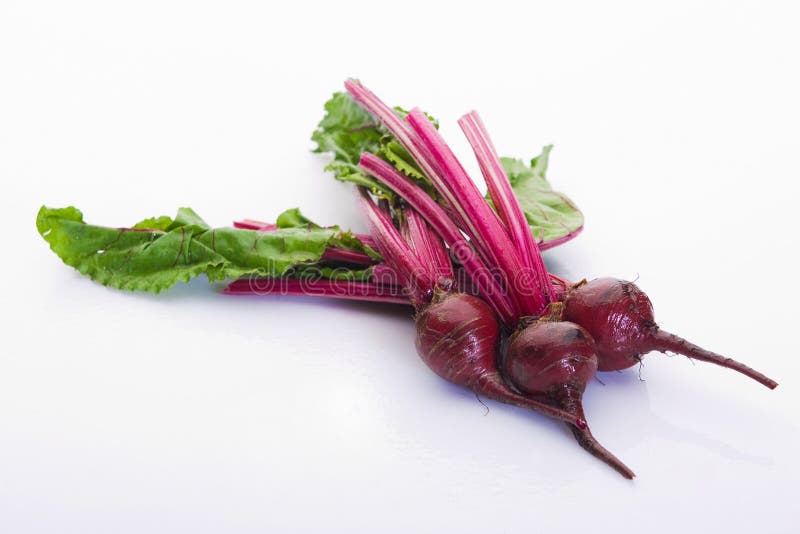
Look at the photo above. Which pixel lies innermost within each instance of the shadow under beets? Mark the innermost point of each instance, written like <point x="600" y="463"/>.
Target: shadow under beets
<point x="623" y="393"/>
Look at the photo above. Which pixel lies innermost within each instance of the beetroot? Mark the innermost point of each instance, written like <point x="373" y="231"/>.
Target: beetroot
<point x="457" y="334"/>
<point x="554" y="361"/>
<point x="549" y="361"/>
<point x="458" y="337"/>
<point x="619" y="316"/>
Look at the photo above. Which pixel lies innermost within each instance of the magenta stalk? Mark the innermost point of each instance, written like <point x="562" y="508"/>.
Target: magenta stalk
<point x="250" y="224"/>
<point x="435" y="216"/>
<point x="340" y="255"/>
<point x="348" y="290"/>
<point x="506" y="203"/>
<point x="495" y="252"/>
<point x="481" y="223"/>
<point x="429" y="245"/>
<point x="413" y="274"/>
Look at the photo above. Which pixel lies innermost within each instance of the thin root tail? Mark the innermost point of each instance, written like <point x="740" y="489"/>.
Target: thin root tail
<point x="592" y="446"/>
<point x="664" y="341"/>
<point x="495" y="389"/>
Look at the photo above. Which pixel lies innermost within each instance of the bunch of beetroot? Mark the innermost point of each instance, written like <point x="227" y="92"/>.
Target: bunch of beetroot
<point x="476" y="278"/>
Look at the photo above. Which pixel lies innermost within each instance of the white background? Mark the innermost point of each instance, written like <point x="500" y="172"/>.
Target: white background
<point x="676" y="131"/>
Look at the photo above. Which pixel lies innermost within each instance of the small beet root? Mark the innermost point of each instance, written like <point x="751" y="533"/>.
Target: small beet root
<point x="555" y="360"/>
<point x="620" y="318"/>
<point x="586" y="440"/>
<point x="664" y="341"/>
<point x="457" y="337"/>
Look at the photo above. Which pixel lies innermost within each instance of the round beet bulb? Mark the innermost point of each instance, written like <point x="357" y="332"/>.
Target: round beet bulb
<point x="555" y="360"/>
<point x="458" y="337"/>
<point x="619" y="316"/>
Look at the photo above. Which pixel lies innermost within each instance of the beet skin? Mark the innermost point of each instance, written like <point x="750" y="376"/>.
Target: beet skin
<point x="554" y="361"/>
<point x="458" y="338"/>
<point x="619" y="316"/>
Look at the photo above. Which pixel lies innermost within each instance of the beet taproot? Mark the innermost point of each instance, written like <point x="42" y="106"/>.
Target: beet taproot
<point x="458" y="337"/>
<point x="619" y="316"/>
<point x="554" y="361"/>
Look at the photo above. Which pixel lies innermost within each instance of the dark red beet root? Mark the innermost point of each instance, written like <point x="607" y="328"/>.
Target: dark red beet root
<point x="555" y="361"/>
<point x="458" y="336"/>
<point x="619" y="316"/>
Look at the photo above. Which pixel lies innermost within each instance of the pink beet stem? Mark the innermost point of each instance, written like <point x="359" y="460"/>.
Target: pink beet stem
<point x="248" y="224"/>
<point x="340" y="255"/>
<point x="383" y="275"/>
<point x="488" y="286"/>
<point x="480" y="222"/>
<point x="386" y="279"/>
<point x="398" y="254"/>
<point x="664" y="341"/>
<point x="419" y="149"/>
<point x="432" y="251"/>
<point x="418" y="240"/>
<point x="396" y="126"/>
<point x="405" y="231"/>
<point x="507" y="205"/>
<point x="362" y="291"/>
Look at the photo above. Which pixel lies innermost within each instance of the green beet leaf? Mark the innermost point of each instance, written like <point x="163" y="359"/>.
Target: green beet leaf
<point x="293" y="218"/>
<point x="163" y="251"/>
<point x="551" y="215"/>
<point x="347" y="131"/>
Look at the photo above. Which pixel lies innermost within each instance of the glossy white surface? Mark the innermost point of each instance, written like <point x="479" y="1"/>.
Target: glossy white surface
<point x="675" y="131"/>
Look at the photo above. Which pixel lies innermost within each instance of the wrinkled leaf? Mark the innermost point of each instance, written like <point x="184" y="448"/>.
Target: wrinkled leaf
<point x="551" y="215"/>
<point x="292" y="218"/>
<point x="154" y="223"/>
<point x="346" y="131"/>
<point x="394" y="153"/>
<point x="187" y="218"/>
<point x="154" y="260"/>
